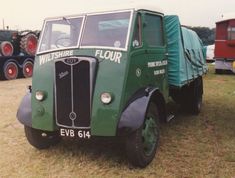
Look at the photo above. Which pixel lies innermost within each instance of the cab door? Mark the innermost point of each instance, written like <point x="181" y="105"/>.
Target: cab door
<point x="155" y="46"/>
<point x="137" y="75"/>
<point x="147" y="61"/>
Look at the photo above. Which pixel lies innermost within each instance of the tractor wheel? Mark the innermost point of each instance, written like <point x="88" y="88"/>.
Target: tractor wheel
<point x="41" y="139"/>
<point x="141" y="145"/>
<point x="28" y="69"/>
<point x="6" y="48"/>
<point x="10" y="71"/>
<point x="28" y="44"/>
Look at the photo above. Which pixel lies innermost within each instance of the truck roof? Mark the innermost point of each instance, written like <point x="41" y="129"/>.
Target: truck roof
<point x="106" y="6"/>
<point x="151" y="6"/>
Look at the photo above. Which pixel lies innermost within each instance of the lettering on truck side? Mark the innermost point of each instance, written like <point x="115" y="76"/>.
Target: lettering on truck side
<point x="113" y="56"/>
<point x="157" y="63"/>
<point x="43" y="59"/>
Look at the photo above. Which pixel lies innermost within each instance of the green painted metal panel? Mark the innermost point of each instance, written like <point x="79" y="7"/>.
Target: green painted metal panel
<point x="147" y="64"/>
<point x="110" y="78"/>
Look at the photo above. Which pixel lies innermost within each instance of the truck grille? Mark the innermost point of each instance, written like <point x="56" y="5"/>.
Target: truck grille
<point x="73" y="91"/>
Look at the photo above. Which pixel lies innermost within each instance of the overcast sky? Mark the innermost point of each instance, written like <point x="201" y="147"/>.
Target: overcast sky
<point x="29" y="14"/>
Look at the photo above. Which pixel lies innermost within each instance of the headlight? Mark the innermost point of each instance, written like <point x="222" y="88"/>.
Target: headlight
<point x="40" y="95"/>
<point x="106" y="98"/>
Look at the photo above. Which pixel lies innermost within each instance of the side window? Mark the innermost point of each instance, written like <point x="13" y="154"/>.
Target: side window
<point x="231" y="33"/>
<point x="153" y="30"/>
<point x="137" y="37"/>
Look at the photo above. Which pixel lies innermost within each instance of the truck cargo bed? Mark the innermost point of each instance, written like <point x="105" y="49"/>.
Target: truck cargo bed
<point x="186" y="57"/>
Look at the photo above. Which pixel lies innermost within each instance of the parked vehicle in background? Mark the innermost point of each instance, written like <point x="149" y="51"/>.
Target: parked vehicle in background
<point x="210" y="53"/>
<point x="17" y="51"/>
<point x="112" y="73"/>
<point x="225" y="44"/>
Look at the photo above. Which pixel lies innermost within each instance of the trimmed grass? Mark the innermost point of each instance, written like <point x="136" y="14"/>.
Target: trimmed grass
<point x="190" y="146"/>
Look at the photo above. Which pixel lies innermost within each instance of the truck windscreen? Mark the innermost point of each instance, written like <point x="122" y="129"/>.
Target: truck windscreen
<point x="60" y="34"/>
<point x="106" y="30"/>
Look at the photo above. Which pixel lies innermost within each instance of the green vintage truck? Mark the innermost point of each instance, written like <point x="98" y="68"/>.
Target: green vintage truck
<point x="110" y="74"/>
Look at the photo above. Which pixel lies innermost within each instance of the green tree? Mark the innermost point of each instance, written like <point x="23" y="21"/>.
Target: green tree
<point x="206" y="34"/>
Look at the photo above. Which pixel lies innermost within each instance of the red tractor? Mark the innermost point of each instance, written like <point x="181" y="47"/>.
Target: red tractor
<point x="17" y="50"/>
<point x="225" y="45"/>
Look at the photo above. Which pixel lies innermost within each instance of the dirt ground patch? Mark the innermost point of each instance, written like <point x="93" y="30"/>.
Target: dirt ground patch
<point x="190" y="146"/>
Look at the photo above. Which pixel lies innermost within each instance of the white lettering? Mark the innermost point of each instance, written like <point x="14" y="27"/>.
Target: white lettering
<point x="113" y="56"/>
<point x="118" y="58"/>
<point x="52" y="56"/>
<point x="107" y="55"/>
<point x="157" y="63"/>
<point x="159" y="72"/>
<point x="67" y="133"/>
<point x="97" y="52"/>
<point x="62" y="132"/>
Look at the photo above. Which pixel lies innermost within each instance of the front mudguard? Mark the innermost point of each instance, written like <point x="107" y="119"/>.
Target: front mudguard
<point x="133" y="115"/>
<point x="24" y="113"/>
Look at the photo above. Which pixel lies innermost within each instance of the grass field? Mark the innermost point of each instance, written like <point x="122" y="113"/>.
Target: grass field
<point x="190" y="146"/>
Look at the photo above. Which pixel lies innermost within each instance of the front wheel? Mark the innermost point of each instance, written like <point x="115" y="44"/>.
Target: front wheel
<point x="141" y="145"/>
<point x="41" y="139"/>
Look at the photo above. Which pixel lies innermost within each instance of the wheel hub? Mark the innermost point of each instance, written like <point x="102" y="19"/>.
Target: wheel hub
<point x="149" y="135"/>
<point x="10" y="71"/>
<point x="27" y="70"/>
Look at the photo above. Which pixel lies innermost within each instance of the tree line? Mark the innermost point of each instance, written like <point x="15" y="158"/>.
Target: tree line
<point x="206" y="34"/>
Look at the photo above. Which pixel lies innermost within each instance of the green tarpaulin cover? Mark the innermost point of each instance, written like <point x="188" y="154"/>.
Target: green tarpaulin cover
<point x="186" y="55"/>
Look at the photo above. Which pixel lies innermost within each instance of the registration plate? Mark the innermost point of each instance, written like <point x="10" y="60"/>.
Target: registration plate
<point x="75" y="133"/>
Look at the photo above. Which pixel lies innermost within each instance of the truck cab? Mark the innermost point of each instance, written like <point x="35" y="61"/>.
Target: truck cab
<point x="100" y="74"/>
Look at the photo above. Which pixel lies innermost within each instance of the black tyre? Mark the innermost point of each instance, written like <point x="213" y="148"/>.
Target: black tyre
<point x="41" y="139"/>
<point x="141" y="145"/>
<point x="192" y="97"/>
<point x="176" y="96"/>
<point x="10" y="71"/>
<point x="196" y="103"/>
<point x="28" y="69"/>
<point x="218" y="71"/>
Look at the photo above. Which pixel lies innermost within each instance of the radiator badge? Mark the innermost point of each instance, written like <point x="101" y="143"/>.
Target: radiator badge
<point x="63" y="74"/>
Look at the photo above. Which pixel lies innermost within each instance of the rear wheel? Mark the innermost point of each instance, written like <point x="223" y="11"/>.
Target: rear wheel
<point x="196" y="102"/>
<point x="141" y="145"/>
<point x="41" y="139"/>
<point x="192" y="101"/>
<point x="28" y="44"/>
<point x="28" y="69"/>
<point x="6" y="48"/>
<point x="10" y="71"/>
